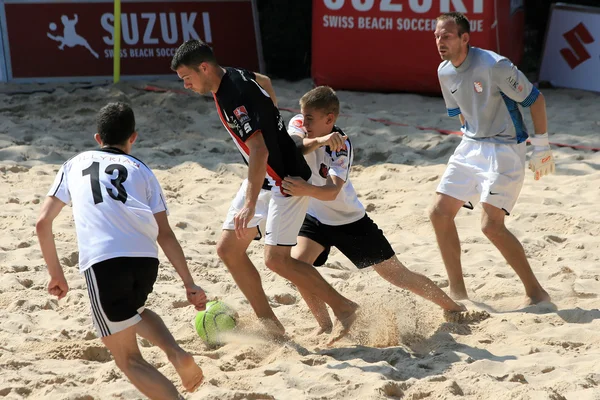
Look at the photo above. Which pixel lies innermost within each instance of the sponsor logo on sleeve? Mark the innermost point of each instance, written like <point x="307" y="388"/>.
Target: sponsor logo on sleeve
<point x="241" y="114"/>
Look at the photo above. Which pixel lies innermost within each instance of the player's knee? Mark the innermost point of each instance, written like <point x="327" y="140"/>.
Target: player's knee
<point x="222" y="250"/>
<point x="392" y="270"/>
<point x="437" y="214"/>
<point x="129" y="362"/>
<point x="275" y="262"/>
<point x="227" y="252"/>
<point x="492" y="230"/>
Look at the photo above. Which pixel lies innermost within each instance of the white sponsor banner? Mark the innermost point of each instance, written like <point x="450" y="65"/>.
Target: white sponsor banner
<point x="572" y="49"/>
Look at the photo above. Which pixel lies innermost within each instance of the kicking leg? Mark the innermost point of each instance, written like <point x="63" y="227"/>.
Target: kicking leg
<point x="393" y="271"/>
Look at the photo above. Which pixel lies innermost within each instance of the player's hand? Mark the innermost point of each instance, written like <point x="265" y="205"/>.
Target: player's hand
<point x="541" y="161"/>
<point x="241" y="220"/>
<point x="58" y="286"/>
<point x="196" y="296"/>
<point x="296" y="186"/>
<point x="335" y="141"/>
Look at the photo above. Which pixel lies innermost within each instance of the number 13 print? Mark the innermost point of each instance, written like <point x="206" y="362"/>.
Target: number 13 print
<point x="94" y="172"/>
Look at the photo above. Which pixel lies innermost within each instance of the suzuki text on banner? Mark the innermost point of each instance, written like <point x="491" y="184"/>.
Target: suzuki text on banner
<point x="388" y="45"/>
<point x="77" y="37"/>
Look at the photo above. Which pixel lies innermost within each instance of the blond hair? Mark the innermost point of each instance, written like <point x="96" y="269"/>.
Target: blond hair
<point x="322" y="98"/>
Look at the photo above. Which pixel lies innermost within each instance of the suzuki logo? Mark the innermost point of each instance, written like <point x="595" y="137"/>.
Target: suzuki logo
<point x="576" y="38"/>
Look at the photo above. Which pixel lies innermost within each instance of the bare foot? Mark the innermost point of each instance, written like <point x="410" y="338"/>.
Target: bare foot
<point x="537" y="298"/>
<point x="321" y="330"/>
<point x="465" y="317"/>
<point x="457" y="308"/>
<point x="190" y="373"/>
<point x="273" y="327"/>
<point x="343" y="324"/>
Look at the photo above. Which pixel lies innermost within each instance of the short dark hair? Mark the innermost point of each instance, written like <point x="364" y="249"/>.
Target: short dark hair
<point x="115" y="123"/>
<point x="459" y="19"/>
<point x="191" y="54"/>
<point x="322" y="98"/>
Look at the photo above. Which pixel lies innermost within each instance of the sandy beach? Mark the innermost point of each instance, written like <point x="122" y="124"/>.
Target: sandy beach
<point x="400" y="346"/>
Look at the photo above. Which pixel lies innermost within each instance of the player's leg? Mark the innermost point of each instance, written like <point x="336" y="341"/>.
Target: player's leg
<point x="286" y="215"/>
<point x="492" y="225"/>
<point x="457" y="186"/>
<point x="393" y="271"/>
<point x="442" y="216"/>
<point x="308" y="251"/>
<point x="154" y="330"/>
<point x="147" y="379"/>
<point x="232" y="251"/>
<point x="113" y="296"/>
<point x="366" y="246"/>
<point x="500" y="194"/>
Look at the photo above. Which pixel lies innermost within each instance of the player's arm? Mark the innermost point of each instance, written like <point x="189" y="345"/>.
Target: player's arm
<point x="334" y="140"/>
<point x="517" y="87"/>
<point x="50" y="210"/>
<point x="257" y="167"/>
<point x="538" y="115"/>
<point x="266" y="84"/>
<point x="297" y="132"/>
<point x="299" y="187"/>
<point x="452" y="108"/>
<point x="172" y="249"/>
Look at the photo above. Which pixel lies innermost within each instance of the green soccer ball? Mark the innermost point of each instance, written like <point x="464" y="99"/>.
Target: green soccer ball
<point x="214" y="321"/>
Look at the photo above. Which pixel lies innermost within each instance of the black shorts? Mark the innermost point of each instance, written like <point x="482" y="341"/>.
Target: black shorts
<point x="362" y="241"/>
<point x="118" y="289"/>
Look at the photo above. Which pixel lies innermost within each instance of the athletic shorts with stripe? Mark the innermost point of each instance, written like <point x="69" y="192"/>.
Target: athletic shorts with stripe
<point x="277" y="217"/>
<point x="118" y="289"/>
<point x="362" y="241"/>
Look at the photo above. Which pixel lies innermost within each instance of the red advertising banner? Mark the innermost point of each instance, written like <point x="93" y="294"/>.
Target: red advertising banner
<point x="389" y="45"/>
<point x="45" y="40"/>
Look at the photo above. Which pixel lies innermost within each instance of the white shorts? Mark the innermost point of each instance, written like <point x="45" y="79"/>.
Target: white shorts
<point x="277" y="217"/>
<point x="485" y="172"/>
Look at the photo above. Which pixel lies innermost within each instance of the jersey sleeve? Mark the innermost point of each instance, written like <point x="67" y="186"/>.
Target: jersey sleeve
<point x="296" y="126"/>
<point x="155" y="195"/>
<point x="513" y="83"/>
<point x="452" y="107"/>
<point x="341" y="162"/>
<point x="60" y="188"/>
<point x="246" y="73"/>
